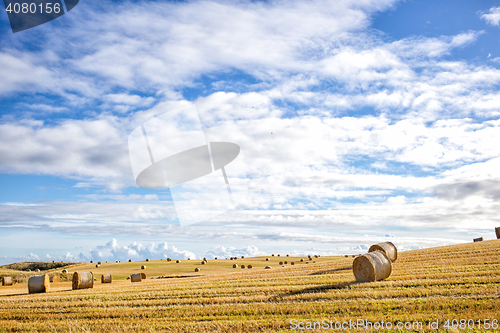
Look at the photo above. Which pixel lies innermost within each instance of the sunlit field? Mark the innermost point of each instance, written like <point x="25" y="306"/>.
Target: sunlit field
<point x="439" y="284"/>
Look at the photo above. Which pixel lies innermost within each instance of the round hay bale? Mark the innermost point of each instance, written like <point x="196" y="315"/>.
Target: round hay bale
<point x="386" y="247"/>
<point x="97" y="266"/>
<point x="7" y="281"/>
<point x="267" y="267"/>
<point x="373" y="266"/>
<point x="135" y="277"/>
<point x="204" y="259"/>
<point x="249" y="266"/>
<point x="177" y="261"/>
<point x="307" y="262"/>
<point x="215" y="258"/>
<point x="242" y="266"/>
<point x="286" y="262"/>
<point x="106" y="261"/>
<point x="301" y="260"/>
<point x="267" y="259"/>
<point x="231" y="258"/>
<point x="106" y="278"/>
<point x="83" y="280"/>
<point x="292" y="263"/>
<point x="203" y="262"/>
<point x="143" y="276"/>
<point x="130" y="260"/>
<point x="189" y="258"/>
<point x="278" y="254"/>
<point x="91" y="261"/>
<point x="147" y="259"/>
<point x="54" y="278"/>
<point x="53" y="261"/>
<point x="39" y="284"/>
<point x="98" y="262"/>
<point x="28" y="270"/>
<point x="168" y="259"/>
<point x="346" y="256"/>
<point x="143" y="267"/>
<point x="497" y="232"/>
<point x="242" y="257"/>
<point x="64" y="271"/>
<point x="196" y="269"/>
<point x="315" y="256"/>
<point x="37" y="270"/>
<point x="272" y="255"/>
<point x="235" y="266"/>
<point x="117" y="261"/>
<point x="479" y="239"/>
<point x="281" y="263"/>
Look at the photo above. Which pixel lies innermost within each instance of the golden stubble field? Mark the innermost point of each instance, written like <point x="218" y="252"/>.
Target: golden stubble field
<point x="439" y="284"/>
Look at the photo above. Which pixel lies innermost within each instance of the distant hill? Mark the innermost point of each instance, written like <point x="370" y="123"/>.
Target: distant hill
<point x="42" y="266"/>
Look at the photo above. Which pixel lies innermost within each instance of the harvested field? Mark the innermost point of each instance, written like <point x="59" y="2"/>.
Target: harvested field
<point x="460" y="281"/>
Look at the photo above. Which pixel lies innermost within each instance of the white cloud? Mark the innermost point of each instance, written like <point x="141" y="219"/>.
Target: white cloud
<point x="492" y="17"/>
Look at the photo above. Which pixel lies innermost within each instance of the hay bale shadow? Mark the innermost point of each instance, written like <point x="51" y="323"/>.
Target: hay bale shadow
<point x="312" y="290"/>
<point x="332" y="271"/>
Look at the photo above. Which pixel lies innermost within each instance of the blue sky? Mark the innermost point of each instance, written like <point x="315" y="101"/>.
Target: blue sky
<point x="384" y="114"/>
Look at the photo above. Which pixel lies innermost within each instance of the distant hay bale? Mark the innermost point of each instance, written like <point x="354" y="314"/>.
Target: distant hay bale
<point x="106" y="261"/>
<point x="143" y="267"/>
<point x="346" y="256"/>
<point x="91" y="261"/>
<point x="231" y="258"/>
<point x="143" y="276"/>
<point x="497" y="232"/>
<point x="204" y="259"/>
<point x="281" y="263"/>
<point x="272" y="255"/>
<point x="215" y="258"/>
<point x="292" y="263"/>
<point x="147" y="259"/>
<point x="53" y="261"/>
<point x="64" y="271"/>
<point x="267" y="267"/>
<point x="97" y="266"/>
<point x="301" y="260"/>
<point x="286" y="262"/>
<point x="177" y="261"/>
<point x="278" y="254"/>
<point x="315" y="256"/>
<point x="39" y="284"/>
<point x="203" y="262"/>
<point x="106" y="278"/>
<point x="388" y="248"/>
<point x="479" y="239"/>
<point x="249" y="266"/>
<point x="37" y="270"/>
<point x="372" y="266"/>
<point x="7" y="281"/>
<point x="54" y="278"/>
<point x="135" y="277"/>
<point x="235" y="266"/>
<point x="168" y="259"/>
<point x="242" y="257"/>
<point x="196" y="269"/>
<point x="267" y="259"/>
<point x="98" y="262"/>
<point x="117" y="261"/>
<point x="242" y="266"/>
<point x="28" y="270"/>
<point x="83" y="280"/>
<point x="307" y="262"/>
<point x="130" y="260"/>
<point x="189" y="258"/>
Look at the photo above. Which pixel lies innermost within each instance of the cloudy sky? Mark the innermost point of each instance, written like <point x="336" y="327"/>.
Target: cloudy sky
<point x="358" y="122"/>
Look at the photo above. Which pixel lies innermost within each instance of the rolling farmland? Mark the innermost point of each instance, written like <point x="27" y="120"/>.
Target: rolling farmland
<point x="452" y="282"/>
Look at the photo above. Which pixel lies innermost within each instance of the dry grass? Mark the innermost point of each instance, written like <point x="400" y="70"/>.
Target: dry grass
<point x="441" y="283"/>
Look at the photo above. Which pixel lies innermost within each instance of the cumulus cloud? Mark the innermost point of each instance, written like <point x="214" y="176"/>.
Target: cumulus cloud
<point x="492" y="16"/>
<point x="227" y="252"/>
